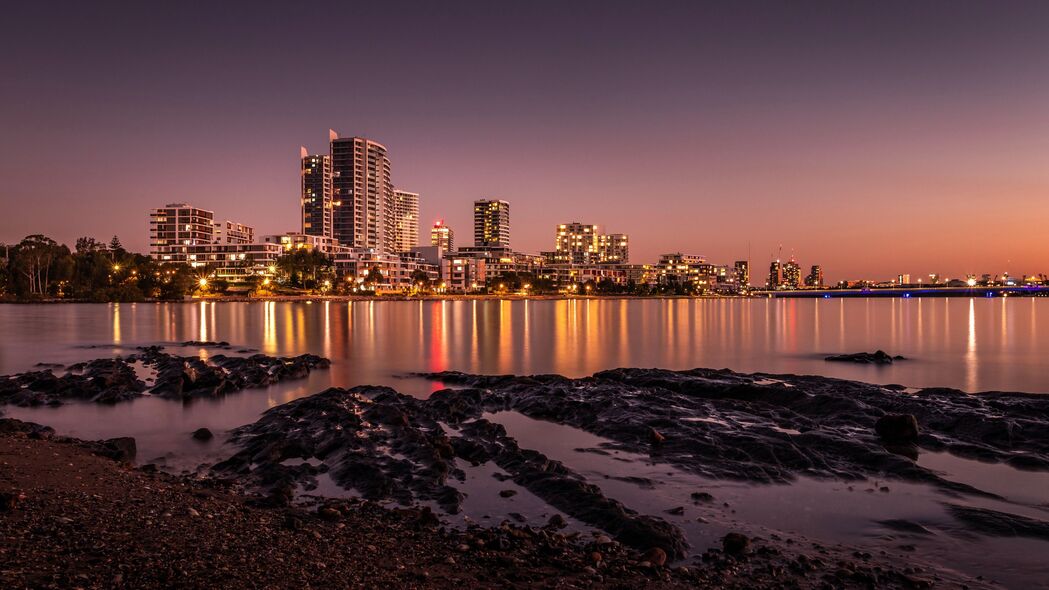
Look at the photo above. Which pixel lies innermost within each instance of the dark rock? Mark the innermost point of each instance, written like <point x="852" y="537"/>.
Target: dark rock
<point x="557" y="522"/>
<point x="507" y="493"/>
<point x="655" y="556"/>
<point x="122" y="449"/>
<point x="702" y="497"/>
<point x="9" y="501"/>
<point x="202" y="434"/>
<point x="897" y="428"/>
<point x="879" y="357"/>
<point x="1000" y="524"/>
<point x="735" y="543"/>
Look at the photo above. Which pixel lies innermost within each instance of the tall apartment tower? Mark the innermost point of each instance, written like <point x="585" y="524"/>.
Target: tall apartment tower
<point x="792" y="274"/>
<point x="815" y="277"/>
<point x="743" y="274"/>
<point x="775" y="280"/>
<point x="405" y="215"/>
<point x="177" y="225"/>
<point x="362" y="193"/>
<point x="491" y="223"/>
<point x="317" y="201"/>
<point x="442" y="236"/>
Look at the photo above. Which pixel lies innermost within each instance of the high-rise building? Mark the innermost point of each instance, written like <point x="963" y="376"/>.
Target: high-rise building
<point x="405" y="214"/>
<point x="815" y="277"/>
<point x="362" y="193"/>
<point x="775" y="280"/>
<point x="792" y="274"/>
<point x="491" y="223"/>
<point x="743" y="274"/>
<point x="316" y="197"/>
<point x="442" y="236"/>
<point x="177" y="226"/>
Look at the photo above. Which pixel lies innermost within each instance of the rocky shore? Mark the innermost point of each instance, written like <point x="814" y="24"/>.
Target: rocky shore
<point x="114" y="380"/>
<point x="74" y="516"/>
<point x="253" y="522"/>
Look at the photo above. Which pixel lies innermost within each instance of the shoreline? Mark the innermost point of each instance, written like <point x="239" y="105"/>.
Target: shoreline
<point x="702" y="426"/>
<point x="72" y="518"/>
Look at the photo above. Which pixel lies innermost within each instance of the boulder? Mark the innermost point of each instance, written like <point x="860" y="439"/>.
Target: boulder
<point x="897" y="428"/>
<point x="203" y="434"/>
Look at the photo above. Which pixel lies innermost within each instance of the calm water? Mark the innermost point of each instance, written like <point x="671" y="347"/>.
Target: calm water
<point x="974" y="345"/>
<point x="971" y="344"/>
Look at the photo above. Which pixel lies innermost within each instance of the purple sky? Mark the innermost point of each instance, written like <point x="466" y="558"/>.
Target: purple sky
<point x="874" y="138"/>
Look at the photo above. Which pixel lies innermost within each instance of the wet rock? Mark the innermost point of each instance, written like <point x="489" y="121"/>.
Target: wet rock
<point x="897" y="428"/>
<point x="655" y="556"/>
<point x="656" y="437"/>
<point x="676" y="511"/>
<point x="202" y="434"/>
<point x="507" y="493"/>
<point x="1000" y="524"/>
<point x="879" y="357"/>
<point x="122" y="449"/>
<point x="735" y="543"/>
<point x="701" y="497"/>
<point x="556" y="522"/>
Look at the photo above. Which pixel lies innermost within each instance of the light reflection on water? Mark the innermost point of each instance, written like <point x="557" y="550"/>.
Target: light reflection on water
<point x="971" y="344"/>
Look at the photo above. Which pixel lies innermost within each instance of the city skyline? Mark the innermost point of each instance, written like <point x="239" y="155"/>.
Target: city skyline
<point x="887" y="156"/>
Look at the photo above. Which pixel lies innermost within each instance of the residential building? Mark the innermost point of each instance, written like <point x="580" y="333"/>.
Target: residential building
<point x="576" y="243"/>
<point x="583" y="243"/>
<point x="613" y="248"/>
<point x="362" y="193"/>
<point x="229" y="232"/>
<point x="792" y="274"/>
<point x="316" y="199"/>
<point x="686" y="270"/>
<point x="442" y="236"/>
<point x="491" y="223"/>
<point x="815" y="277"/>
<point x="405" y="214"/>
<point x="743" y="274"/>
<point x="177" y="226"/>
<point x="775" y="280"/>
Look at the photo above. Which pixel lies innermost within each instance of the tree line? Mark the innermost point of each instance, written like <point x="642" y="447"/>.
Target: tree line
<point x="39" y="268"/>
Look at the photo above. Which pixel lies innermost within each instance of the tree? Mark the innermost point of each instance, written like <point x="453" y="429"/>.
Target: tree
<point x="305" y="267"/>
<point x="116" y="247"/>
<point x="374" y="277"/>
<point x="421" y="280"/>
<point x="34" y="263"/>
<point x="86" y="245"/>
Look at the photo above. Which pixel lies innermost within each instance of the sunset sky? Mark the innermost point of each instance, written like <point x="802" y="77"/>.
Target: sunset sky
<point x="872" y="137"/>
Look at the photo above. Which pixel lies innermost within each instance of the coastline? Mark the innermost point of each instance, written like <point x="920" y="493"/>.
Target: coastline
<point x="72" y="518"/>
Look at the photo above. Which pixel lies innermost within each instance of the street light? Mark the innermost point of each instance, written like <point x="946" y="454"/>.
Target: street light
<point x="203" y="282"/>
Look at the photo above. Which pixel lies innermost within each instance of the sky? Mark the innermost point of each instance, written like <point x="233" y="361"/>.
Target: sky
<point x="873" y="138"/>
